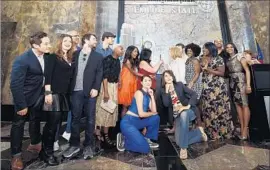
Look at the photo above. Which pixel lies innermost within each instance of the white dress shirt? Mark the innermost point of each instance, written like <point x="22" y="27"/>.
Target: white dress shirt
<point x="41" y="62"/>
<point x="178" y="67"/>
<point x="40" y="59"/>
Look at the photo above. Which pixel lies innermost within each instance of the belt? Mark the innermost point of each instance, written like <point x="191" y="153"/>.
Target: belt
<point x="132" y="114"/>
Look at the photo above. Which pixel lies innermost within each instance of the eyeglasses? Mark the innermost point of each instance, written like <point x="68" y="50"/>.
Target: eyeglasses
<point x="75" y="36"/>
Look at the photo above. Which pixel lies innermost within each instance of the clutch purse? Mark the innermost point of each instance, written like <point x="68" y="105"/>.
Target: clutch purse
<point x="109" y="106"/>
<point x="55" y="106"/>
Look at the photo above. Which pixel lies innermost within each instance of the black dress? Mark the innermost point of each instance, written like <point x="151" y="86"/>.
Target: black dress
<point x="58" y="73"/>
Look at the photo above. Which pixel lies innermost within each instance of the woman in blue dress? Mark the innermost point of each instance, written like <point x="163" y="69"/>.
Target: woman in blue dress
<point x="141" y="114"/>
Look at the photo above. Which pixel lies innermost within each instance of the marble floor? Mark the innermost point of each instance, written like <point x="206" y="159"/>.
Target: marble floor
<point x="211" y="155"/>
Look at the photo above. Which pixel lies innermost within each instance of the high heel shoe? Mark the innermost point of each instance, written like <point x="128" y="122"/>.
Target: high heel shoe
<point x="244" y="137"/>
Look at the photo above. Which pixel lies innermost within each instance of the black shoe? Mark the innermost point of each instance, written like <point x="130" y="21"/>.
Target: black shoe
<point x="71" y="152"/>
<point x="88" y="153"/>
<point x="51" y="160"/>
<point x="108" y="144"/>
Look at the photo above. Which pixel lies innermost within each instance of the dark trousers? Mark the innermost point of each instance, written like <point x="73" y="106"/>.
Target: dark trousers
<point x="80" y="102"/>
<point x="17" y="129"/>
<point x="54" y="119"/>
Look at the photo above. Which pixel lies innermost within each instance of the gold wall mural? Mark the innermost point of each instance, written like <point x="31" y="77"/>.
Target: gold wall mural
<point x="19" y="19"/>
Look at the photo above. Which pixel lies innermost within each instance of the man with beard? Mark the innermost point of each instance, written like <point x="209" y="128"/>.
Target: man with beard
<point x="85" y="86"/>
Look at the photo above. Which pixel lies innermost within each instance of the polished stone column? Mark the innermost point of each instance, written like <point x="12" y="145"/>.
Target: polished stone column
<point x="240" y="25"/>
<point x="106" y="17"/>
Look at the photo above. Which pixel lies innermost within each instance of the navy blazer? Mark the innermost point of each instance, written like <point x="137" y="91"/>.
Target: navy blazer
<point x="26" y="80"/>
<point x="93" y="72"/>
<point x="184" y="94"/>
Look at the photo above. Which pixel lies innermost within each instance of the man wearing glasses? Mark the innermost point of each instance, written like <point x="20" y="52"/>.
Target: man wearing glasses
<point x="76" y="39"/>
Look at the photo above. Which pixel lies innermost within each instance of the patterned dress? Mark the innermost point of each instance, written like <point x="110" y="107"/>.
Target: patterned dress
<point x="237" y="80"/>
<point x="215" y="103"/>
<point x="190" y="73"/>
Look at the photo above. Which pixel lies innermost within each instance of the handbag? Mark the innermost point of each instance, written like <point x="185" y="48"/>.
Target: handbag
<point x="55" y="106"/>
<point x="109" y="106"/>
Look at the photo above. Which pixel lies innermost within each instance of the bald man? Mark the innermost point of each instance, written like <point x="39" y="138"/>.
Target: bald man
<point x="219" y="44"/>
<point x="109" y="95"/>
<point x="76" y="39"/>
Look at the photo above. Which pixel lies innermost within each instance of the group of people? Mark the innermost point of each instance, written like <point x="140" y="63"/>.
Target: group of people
<point x="88" y="78"/>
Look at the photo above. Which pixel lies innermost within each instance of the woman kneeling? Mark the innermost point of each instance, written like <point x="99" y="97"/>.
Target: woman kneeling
<point x="142" y="113"/>
<point x="183" y="101"/>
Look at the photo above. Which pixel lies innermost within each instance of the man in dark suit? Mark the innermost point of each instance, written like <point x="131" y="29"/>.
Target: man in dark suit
<point x="85" y="86"/>
<point x="26" y="87"/>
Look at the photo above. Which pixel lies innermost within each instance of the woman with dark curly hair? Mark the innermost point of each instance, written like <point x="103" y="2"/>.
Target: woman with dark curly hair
<point x="193" y="70"/>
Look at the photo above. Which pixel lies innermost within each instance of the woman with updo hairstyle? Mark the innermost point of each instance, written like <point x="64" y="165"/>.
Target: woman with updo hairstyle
<point x="142" y="113"/>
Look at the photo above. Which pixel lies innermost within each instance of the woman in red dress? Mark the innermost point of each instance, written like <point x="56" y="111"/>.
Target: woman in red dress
<point x="145" y="67"/>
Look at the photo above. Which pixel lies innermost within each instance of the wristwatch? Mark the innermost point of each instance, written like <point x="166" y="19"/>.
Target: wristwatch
<point x="48" y="92"/>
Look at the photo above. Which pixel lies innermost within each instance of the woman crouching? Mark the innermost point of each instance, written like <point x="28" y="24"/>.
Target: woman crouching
<point x="141" y="114"/>
<point x="182" y="101"/>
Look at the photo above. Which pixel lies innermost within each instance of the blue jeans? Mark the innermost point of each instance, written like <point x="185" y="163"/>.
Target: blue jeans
<point x="80" y="102"/>
<point x="134" y="139"/>
<point x="184" y="136"/>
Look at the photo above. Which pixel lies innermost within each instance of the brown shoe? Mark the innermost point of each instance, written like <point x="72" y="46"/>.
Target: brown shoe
<point x="34" y="148"/>
<point x="16" y="163"/>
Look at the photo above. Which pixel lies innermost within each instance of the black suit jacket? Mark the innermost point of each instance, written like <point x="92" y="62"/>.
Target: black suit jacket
<point x="26" y="80"/>
<point x="184" y="94"/>
<point x="93" y="72"/>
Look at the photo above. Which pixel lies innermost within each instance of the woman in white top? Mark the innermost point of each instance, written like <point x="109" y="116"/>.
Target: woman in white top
<point x="178" y="67"/>
<point x="177" y="64"/>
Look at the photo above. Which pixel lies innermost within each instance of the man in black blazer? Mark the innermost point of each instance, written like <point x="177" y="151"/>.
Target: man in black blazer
<point x="85" y="87"/>
<point x="26" y="86"/>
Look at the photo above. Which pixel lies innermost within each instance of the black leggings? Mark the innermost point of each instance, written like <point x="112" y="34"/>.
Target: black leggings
<point x="49" y="131"/>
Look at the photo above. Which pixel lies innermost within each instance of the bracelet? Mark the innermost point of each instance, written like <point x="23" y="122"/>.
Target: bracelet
<point x="48" y="92"/>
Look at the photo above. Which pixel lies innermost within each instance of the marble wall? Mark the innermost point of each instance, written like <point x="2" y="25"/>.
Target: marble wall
<point x="249" y="20"/>
<point x="106" y="17"/>
<point x="168" y="23"/>
<point x="259" y="17"/>
<point x="240" y="25"/>
<point x="19" y="19"/>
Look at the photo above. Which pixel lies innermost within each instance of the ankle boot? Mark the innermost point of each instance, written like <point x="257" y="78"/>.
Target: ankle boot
<point x="108" y="144"/>
<point x="50" y="159"/>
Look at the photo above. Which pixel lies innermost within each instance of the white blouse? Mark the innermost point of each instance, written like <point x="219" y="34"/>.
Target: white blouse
<point x="178" y="67"/>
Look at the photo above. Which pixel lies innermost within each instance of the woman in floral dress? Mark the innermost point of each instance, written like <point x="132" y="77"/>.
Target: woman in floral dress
<point x="214" y="100"/>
